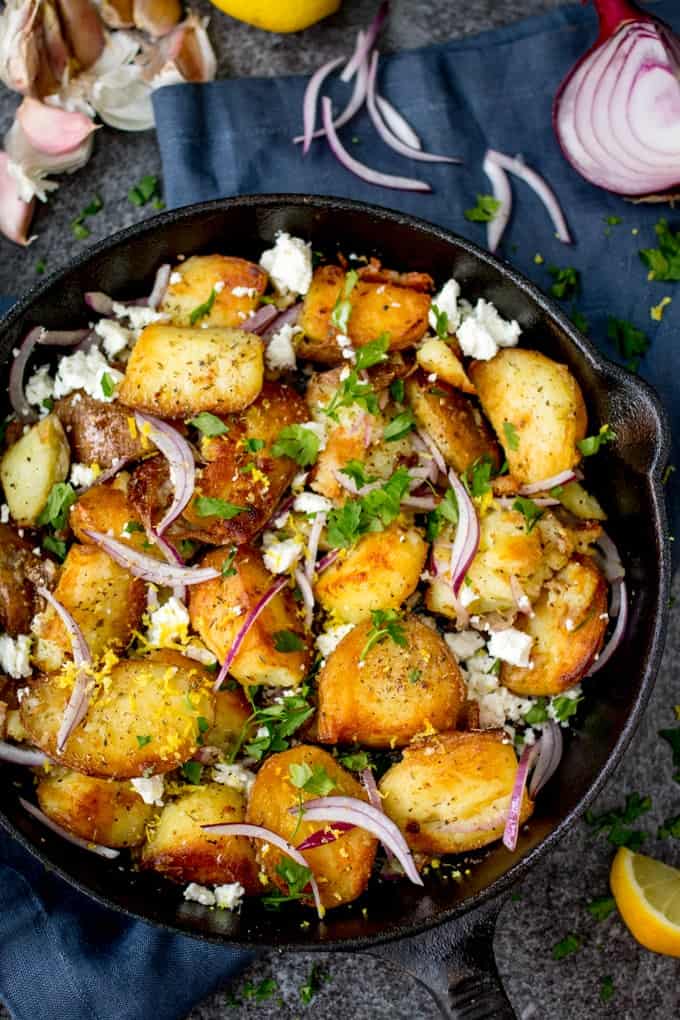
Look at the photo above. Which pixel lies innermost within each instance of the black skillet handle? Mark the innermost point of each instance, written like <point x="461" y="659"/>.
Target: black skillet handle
<point x="456" y="964"/>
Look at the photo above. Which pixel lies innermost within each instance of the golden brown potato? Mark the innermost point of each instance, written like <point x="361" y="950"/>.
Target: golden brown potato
<point x="580" y="502"/>
<point x="31" y="466"/>
<point x="161" y="696"/>
<point x="453" y="421"/>
<point x="544" y="403"/>
<point x="100" y="810"/>
<point x="376" y="308"/>
<point x="107" y="507"/>
<point x="182" y="851"/>
<point x="232" y="711"/>
<point x="391" y="695"/>
<point x="20" y="572"/>
<point x="200" y="274"/>
<point x="99" y="433"/>
<point x="341" y="868"/>
<point x="175" y="371"/>
<point x="436" y="356"/>
<point x="568" y="628"/>
<point x="105" y="600"/>
<point x="379" y="572"/>
<point x="219" y="607"/>
<point x="451" y="792"/>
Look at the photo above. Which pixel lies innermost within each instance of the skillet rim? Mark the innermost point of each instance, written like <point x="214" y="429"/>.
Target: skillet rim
<point x="607" y="370"/>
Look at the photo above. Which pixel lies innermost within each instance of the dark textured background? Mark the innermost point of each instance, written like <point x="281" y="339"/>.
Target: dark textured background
<point x="551" y="902"/>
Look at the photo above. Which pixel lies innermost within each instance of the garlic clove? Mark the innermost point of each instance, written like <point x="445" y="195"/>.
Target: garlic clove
<point x="58" y="52"/>
<point x="51" y="130"/>
<point x="117" y="13"/>
<point x="83" y="30"/>
<point x="29" y="167"/>
<point x="184" y="55"/>
<point x="157" y="17"/>
<point x="15" y="214"/>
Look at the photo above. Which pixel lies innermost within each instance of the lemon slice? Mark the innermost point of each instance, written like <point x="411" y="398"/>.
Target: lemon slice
<point x="647" y="894"/>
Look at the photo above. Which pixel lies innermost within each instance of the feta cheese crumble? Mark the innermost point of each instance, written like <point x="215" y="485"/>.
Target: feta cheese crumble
<point x="511" y="646"/>
<point x="446" y="301"/>
<point x="329" y="639"/>
<point x="40" y="386"/>
<point x="150" y="789"/>
<point x="279" y="353"/>
<point x="228" y="897"/>
<point x="280" y="556"/>
<point x="4" y="513"/>
<point x="484" y="331"/>
<point x="175" y="278"/>
<point x="196" y="893"/>
<point x="464" y="643"/>
<point x="14" y="655"/>
<point x="138" y="316"/>
<point x="311" y="503"/>
<point x="244" y="291"/>
<point x="234" y="776"/>
<point x="84" y="370"/>
<point x="82" y="476"/>
<point x="115" y="338"/>
<point x="168" y="624"/>
<point x="289" y="264"/>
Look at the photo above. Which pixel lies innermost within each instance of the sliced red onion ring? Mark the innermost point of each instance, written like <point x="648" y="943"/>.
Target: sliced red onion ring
<point x="356" y="99"/>
<point x="22" y="755"/>
<point x="180" y="458"/>
<point x="366" y="43"/>
<point x="259" y="320"/>
<point x="17" y="397"/>
<point x="371" y="787"/>
<point x="267" y="836"/>
<point x="326" y="835"/>
<point x="70" y="837"/>
<point x="80" y="695"/>
<point x="619" y="630"/>
<point x="250" y="619"/>
<point x="611" y="564"/>
<point x="466" y="542"/>
<point x="419" y="502"/>
<point x="538" y="185"/>
<point x="99" y="302"/>
<point x="311" y="99"/>
<point x="289" y="316"/>
<point x="149" y="568"/>
<point x="430" y="444"/>
<point x="366" y="173"/>
<point x="318" y="524"/>
<point x="62" y="337"/>
<point x="160" y="285"/>
<point x="326" y="561"/>
<point x="550" y="747"/>
<point x="511" y="832"/>
<point x="307" y="592"/>
<point x="502" y="192"/>
<point x="397" y="123"/>
<point x="172" y="557"/>
<point x="546" y="484"/>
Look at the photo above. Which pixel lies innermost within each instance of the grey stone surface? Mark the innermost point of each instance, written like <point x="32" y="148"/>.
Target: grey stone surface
<point x="551" y="902"/>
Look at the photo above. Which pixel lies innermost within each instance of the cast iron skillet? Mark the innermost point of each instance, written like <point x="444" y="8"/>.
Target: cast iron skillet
<point x="444" y="932"/>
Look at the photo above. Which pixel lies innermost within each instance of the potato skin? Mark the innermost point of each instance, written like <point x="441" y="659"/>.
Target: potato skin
<point x="377" y="703"/>
<point x="218" y="608"/>
<point x="31" y="466"/>
<point x="176" y="371"/>
<point x="101" y="810"/>
<point x="108" y="507"/>
<point x="449" y="778"/>
<point x="379" y="572"/>
<point x="199" y="274"/>
<point x="144" y="697"/>
<point x="342" y="868"/>
<point x="231" y="714"/>
<point x="98" y="433"/>
<point x="437" y="356"/>
<point x="453" y="421"/>
<point x="184" y="852"/>
<point x="20" y="573"/>
<point x="105" y="600"/>
<point x="543" y="401"/>
<point x="562" y="657"/>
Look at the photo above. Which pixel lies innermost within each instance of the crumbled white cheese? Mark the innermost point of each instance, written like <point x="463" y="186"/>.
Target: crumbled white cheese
<point x="311" y="503"/>
<point x="138" y="316"/>
<point x="244" y="291"/>
<point x="280" y="556"/>
<point x="234" y="776"/>
<point x="299" y="481"/>
<point x="115" y="338"/>
<point x="465" y="643"/>
<point x="475" y="342"/>
<point x="228" y="897"/>
<point x="218" y="287"/>
<point x="150" y="789"/>
<point x="4" y="513"/>
<point x="175" y="278"/>
<point x="289" y="264"/>
<point x="196" y="893"/>
<point x="82" y="476"/>
<point x="446" y="301"/>
<point x="84" y="370"/>
<point x="329" y="639"/>
<point x="511" y="646"/>
<point x="14" y="655"/>
<point x="168" y="624"/>
<point x="40" y="386"/>
<point x="279" y="353"/>
<point x="483" y="331"/>
<point x="467" y="595"/>
<point x="497" y="705"/>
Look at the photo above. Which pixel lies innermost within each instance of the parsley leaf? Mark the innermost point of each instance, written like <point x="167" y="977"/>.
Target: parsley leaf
<point x="511" y="436"/>
<point x="261" y="992"/>
<point x="208" y="506"/>
<point x="386" y="623"/>
<point x="373" y="512"/>
<point x="441" y="322"/>
<point x="352" y="391"/>
<point x="278" y="722"/>
<point x="567" y="282"/>
<point x="344" y="524"/>
<point x="312" y="780"/>
<point x="397" y="390"/>
<point x="55" y="546"/>
<point x="200" y="311"/>
<point x="564" y="707"/>
<point x="601" y="907"/>
<point x="447" y="510"/>
<point x="670" y="828"/>
<point x="228" y="569"/>
<point x="663" y="262"/>
<point x="477" y="478"/>
<point x="631" y="343"/>
<point x="144" y="190"/>
<point x="373" y="352"/>
<point x="59" y="502"/>
<point x="132" y="526"/>
<point x="486" y="209"/>
<point x="91" y="209"/>
<point x="296" y="878"/>
<point x="607" y="988"/>
<point x="288" y="641"/>
<point x="298" y="443"/>
<point x="342" y="309"/>
<point x="538" y="713"/>
<point x="580" y="321"/>
<point x="356" y="762"/>
<point x="192" y="771"/>
<point x="531" y="511"/>
<point x="355" y="470"/>
<point x="254" y="445"/>
<point x="142" y="741"/>
<point x="400" y="426"/>
<point x="208" y="424"/>
<point x="617" y="821"/>
<point x="107" y="384"/>
<point x="312" y="984"/>
<point x="568" y="945"/>
<point x="591" y="444"/>
<point x="673" y="739"/>
<point x="414" y="675"/>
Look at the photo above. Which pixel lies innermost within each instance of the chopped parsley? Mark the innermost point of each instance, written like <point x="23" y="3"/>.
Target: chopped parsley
<point x="372" y="512"/>
<point x="663" y="262"/>
<point x="228" y="569"/>
<point x="414" y="675"/>
<point x="580" y="321"/>
<point x="591" y="444"/>
<point x="511" y="437"/>
<point x="613" y="221"/>
<point x="131" y="526"/>
<point x="607" y="988"/>
<point x="631" y="343"/>
<point x="538" y="713"/>
<point x="142" y="741"/>
<point x="568" y="945"/>
<point x="485" y="211"/>
<point x="78" y="227"/>
<point x="288" y="641"/>
<point x="298" y="443"/>
<point x="254" y="445"/>
<point x="355" y="470"/>
<point x="192" y="772"/>
<point x="672" y="737"/>
<point x="567" y="282"/>
<point x="278" y="722"/>
<point x="40" y="267"/>
<point x="342" y="308"/>
<point x="312" y="985"/>
<point x="477" y="478"/>
<point x="530" y="510"/>
<point x="386" y="623"/>
<point x="352" y="390"/>
<point x="208" y="506"/>
<point x="60" y="500"/>
<point x="441" y="322"/>
<point x="312" y="780"/>
<point x="564" y="707"/>
<point x="55" y="546"/>
<point x="260" y="993"/>
<point x="665" y="478"/>
<point x="616" y="823"/>
<point x="296" y="878"/>
<point x="144" y="191"/>
<point x="356" y="762"/>
<point x="601" y="907"/>
<point x="670" y="828"/>
<point x="208" y="424"/>
<point x="397" y="390"/>
<point x="107" y="384"/>
<point x="373" y="352"/>
<point x="200" y="311"/>
<point x="447" y="510"/>
<point x="400" y="426"/>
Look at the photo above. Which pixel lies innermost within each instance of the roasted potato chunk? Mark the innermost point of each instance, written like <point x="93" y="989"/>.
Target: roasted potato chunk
<point x="451" y="792"/>
<point x="376" y="308"/>
<point x="542" y="401"/>
<point x="161" y="696"/>
<point x="219" y="607"/>
<point x="108" y="508"/>
<point x="232" y="712"/>
<point x="99" y="433"/>
<point x="580" y="503"/>
<point x="342" y="868"/>
<point x="383" y="699"/>
<point x="224" y="274"/>
<point x="101" y="810"/>
<point x="184" y="852"/>
<point x="175" y="371"/>
<point x="568" y="627"/>
<point x="105" y="600"/>
<point x="453" y="421"/>
<point x="31" y="466"/>
<point x="379" y="572"/>
<point x="20" y="572"/>
<point x="436" y="356"/>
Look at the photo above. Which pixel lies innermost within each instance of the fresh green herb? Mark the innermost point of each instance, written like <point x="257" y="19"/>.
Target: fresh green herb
<point x="607" y="988"/>
<point x="567" y="282"/>
<point x="580" y="321"/>
<point x="670" y="468"/>
<point x="228" y="569"/>
<point x="477" y="478"/>
<point x="298" y="443"/>
<point x="40" y="267"/>
<point x="47" y="403"/>
<point x="568" y="945"/>
<point x="397" y="390"/>
<point x="631" y="343"/>
<point x="142" y="741"/>
<point x="108" y="385"/>
<point x="352" y="390"/>
<point x="186" y="547"/>
<point x="278" y="722"/>
<point x="613" y="221"/>
<point x="538" y="713"/>
<point x="208" y="506"/>
<point x="663" y="262"/>
<point x="192" y="771"/>
<point x="373" y="512"/>
<point x="386" y="623"/>
<point x="200" y="311"/>
<point x="59" y="502"/>
<point x="80" y="231"/>
<point x="203" y="724"/>
<point x="144" y="190"/>
<point x="564" y="707"/>
<point x="131" y="526"/>
<point x="208" y="424"/>
<point x="601" y="907"/>
<point x="616" y="823"/>
<point x="591" y="444"/>
<point x="672" y="737"/>
<point x="261" y="992"/>
<point x="485" y="211"/>
<point x="355" y="470"/>
<point x="372" y="353"/>
<point x="511" y="436"/>
<point x="312" y="780"/>
<point x="78" y="226"/>
<point x="253" y="445"/>
<point x="55" y="546"/>
<point x="356" y="762"/>
<point x="312" y="984"/>
<point x="414" y="675"/>
<point x="531" y="511"/>
<point x="296" y="878"/>
<point x="441" y="322"/>
<point x="437" y="391"/>
<point x="670" y="828"/>
<point x="400" y="426"/>
<point x="342" y="308"/>
<point x="447" y="510"/>
<point x="288" y="641"/>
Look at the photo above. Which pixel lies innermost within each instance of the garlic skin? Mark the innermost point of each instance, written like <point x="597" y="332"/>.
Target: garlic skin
<point x="18" y="50"/>
<point x="186" y="55"/>
<point x="29" y="167"/>
<point x="15" y="213"/>
<point x="157" y="17"/>
<point x="116" y="13"/>
<point x="83" y="30"/>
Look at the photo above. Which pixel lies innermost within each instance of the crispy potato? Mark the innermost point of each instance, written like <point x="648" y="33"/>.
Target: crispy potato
<point x="543" y="402"/>
<point x="376" y="308"/>
<point x="451" y="792"/>
<point x="99" y="433"/>
<point x="199" y="276"/>
<point x="232" y="711"/>
<point x="161" y="696"/>
<point x="105" y="600"/>
<point x="219" y="607"/>
<point x="30" y="468"/>
<point x="20" y="572"/>
<point x="101" y="810"/>
<point x="379" y="572"/>
<point x="107" y="507"/>
<point x="184" y="852"/>
<point x="437" y="356"/>
<point x="394" y="693"/>
<point x="568" y="628"/>
<point x="342" y="868"/>
<point x="453" y="421"/>
<point x="175" y="370"/>
<point x="581" y="503"/>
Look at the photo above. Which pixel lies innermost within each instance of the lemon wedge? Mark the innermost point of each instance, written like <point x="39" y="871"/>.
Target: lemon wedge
<point x="277" y="16"/>
<point x="647" y="894"/>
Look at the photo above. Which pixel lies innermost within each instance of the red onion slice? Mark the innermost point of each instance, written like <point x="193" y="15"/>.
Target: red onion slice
<point x="546" y="484"/>
<point x="289" y="316"/>
<point x="366" y="44"/>
<point x="397" y="123"/>
<point x="511" y="832"/>
<point x="307" y="592"/>
<point x="550" y="747"/>
<point x="99" y="302"/>
<point x="318" y="524"/>
<point x="502" y="192"/>
<point x="17" y="397"/>
<point x="430" y="444"/>
<point x="355" y="103"/>
<point x="62" y="337"/>
<point x="70" y="837"/>
<point x="611" y="564"/>
<point x="267" y="836"/>
<point x="250" y="619"/>
<point x="371" y="787"/>
<point x="22" y="755"/>
<point x="618" y="632"/>
<point x="260" y="319"/>
<point x="326" y="835"/>
<point x="366" y="173"/>
<point x="538" y="185"/>
<point x="149" y="568"/>
<point x="419" y="503"/>
<point x="468" y="533"/>
<point x="173" y="558"/>
<point x="180" y="458"/>
<point x="326" y="561"/>
<point x="80" y="695"/>
<point x="311" y="99"/>
<point x="160" y="285"/>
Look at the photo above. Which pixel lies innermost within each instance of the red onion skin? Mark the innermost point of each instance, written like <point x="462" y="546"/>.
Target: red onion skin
<point x="612" y="14"/>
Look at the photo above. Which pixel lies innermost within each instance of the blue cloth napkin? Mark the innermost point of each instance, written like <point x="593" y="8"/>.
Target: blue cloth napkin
<point x="494" y="90"/>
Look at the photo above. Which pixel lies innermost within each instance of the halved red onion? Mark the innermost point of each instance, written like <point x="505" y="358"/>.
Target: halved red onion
<point x="550" y="746"/>
<point x="180" y="458"/>
<point x="311" y="99"/>
<point x="160" y="285"/>
<point x="267" y="836"/>
<point x="326" y="561"/>
<point x="259" y="320"/>
<point x="80" y="695"/>
<point x="546" y="484"/>
<point x="367" y="43"/>
<point x="502" y="192"/>
<point x="147" y="567"/>
<point x="611" y="564"/>
<point x="538" y="185"/>
<point x="318" y="524"/>
<point x="366" y="173"/>
<point x="326" y="835"/>
<point x="618" y="632"/>
<point x="356" y="99"/>
<point x="466" y="542"/>
<point x="520" y="596"/>
<point x="22" y="755"/>
<point x="307" y="593"/>
<point x="430" y="445"/>
<point x="99" y="302"/>
<point x="70" y="837"/>
<point x="250" y="619"/>
<point x="397" y="123"/>
<point x="511" y="833"/>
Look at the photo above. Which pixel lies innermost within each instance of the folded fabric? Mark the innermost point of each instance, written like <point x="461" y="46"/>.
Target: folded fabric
<point x="494" y="90"/>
